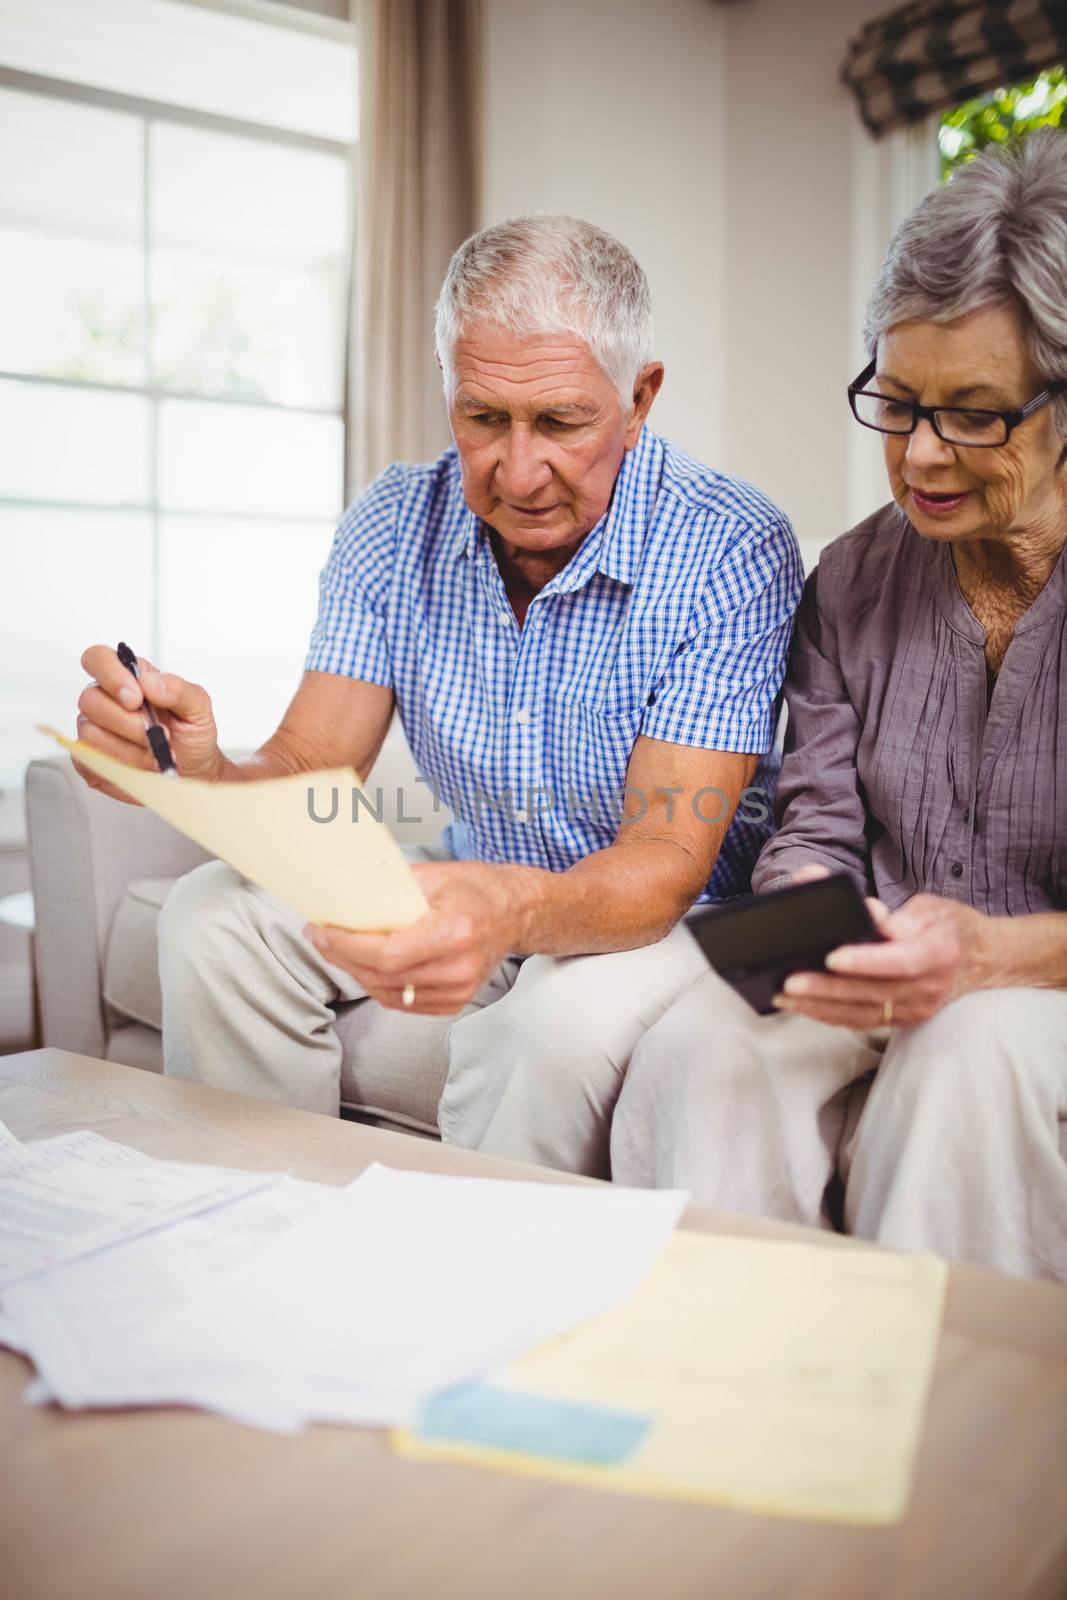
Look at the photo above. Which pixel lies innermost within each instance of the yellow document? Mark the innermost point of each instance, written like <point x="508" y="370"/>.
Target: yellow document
<point x="348" y="871"/>
<point x="779" y="1377"/>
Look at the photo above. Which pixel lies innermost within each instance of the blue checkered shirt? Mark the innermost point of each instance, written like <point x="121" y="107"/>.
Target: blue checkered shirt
<point x="671" y="620"/>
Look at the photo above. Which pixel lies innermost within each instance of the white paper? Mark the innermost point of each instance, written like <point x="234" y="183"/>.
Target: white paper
<point x="10" y="1338"/>
<point x="65" y="1197"/>
<point x="88" y="1325"/>
<point x="13" y="1153"/>
<point x="409" y="1282"/>
<point x="308" y="1303"/>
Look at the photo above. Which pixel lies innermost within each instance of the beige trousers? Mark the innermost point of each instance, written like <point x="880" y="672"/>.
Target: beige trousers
<point x="536" y="1076"/>
<point x="535" y="1063"/>
<point x="248" y="1003"/>
<point x="949" y="1136"/>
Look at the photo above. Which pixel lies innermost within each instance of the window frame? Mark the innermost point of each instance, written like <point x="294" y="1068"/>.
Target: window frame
<point x="150" y="113"/>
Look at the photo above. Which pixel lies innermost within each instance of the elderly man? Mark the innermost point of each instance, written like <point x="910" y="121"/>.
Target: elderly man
<point x="583" y="631"/>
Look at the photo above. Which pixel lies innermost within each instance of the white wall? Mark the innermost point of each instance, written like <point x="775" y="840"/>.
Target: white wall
<point x="615" y="110"/>
<point x="794" y="136"/>
<point x="718" y="143"/>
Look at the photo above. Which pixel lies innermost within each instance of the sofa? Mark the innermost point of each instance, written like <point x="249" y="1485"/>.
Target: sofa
<point x="100" y="871"/>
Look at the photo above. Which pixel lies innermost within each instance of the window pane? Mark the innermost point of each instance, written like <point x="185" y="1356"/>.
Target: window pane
<point x="248" y="270"/>
<point x="70" y="240"/>
<point x="205" y="58"/>
<point x="71" y="579"/>
<point x="241" y="458"/>
<point x="237" y="604"/>
<point x="246" y="197"/>
<point x="71" y="307"/>
<point x="70" y="444"/>
<point x="247" y="330"/>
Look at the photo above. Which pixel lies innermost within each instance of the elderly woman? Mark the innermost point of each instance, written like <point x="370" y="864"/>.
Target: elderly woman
<point x="927" y="756"/>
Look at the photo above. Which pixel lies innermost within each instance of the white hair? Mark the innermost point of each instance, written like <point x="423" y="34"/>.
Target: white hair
<point x="995" y="234"/>
<point x="550" y="275"/>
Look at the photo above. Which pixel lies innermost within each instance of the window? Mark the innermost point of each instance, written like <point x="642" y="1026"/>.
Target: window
<point x="1001" y="116"/>
<point x="172" y="332"/>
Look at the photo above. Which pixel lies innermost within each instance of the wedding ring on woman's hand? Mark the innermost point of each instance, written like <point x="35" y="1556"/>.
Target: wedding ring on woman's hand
<point x="887" y="1013"/>
<point x="408" y="996"/>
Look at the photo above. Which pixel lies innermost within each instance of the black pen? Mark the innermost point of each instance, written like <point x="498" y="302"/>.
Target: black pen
<point x="152" y="726"/>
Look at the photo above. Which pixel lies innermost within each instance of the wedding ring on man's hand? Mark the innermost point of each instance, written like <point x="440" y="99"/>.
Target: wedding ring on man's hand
<point x="408" y="996"/>
<point x="887" y="1013"/>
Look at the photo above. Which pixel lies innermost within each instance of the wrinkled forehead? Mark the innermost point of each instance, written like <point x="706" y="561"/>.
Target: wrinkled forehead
<point x="555" y="367"/>
<point x="984" y="349"/>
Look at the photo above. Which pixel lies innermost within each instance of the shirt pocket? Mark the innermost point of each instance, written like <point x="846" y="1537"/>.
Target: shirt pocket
<point x="591" y="746"/>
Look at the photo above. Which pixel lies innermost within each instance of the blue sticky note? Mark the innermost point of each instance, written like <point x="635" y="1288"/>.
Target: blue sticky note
<point x="536" y="1424"/>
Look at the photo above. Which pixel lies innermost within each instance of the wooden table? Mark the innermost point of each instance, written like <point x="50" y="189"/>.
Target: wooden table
<point x="159" y="1504"/>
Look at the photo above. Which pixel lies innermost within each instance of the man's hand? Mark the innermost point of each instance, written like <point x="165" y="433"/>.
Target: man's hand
<point x="936" y="950"/>
<point x="110" y="719"/>
<point x="447" y="955"/>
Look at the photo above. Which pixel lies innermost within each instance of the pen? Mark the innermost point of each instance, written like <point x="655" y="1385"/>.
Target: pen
<point x="153" y="728"/>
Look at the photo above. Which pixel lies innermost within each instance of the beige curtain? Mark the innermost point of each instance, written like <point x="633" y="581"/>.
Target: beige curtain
<point x="417" y="199"/>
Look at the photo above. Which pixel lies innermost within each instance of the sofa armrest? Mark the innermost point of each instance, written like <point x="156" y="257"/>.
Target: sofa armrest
<point x="84" y="849"/>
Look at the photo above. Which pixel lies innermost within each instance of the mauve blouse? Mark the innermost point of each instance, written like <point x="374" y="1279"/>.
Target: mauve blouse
<point x="898" y="767"/>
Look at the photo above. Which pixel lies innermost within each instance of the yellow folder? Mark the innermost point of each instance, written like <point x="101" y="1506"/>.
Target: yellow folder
<point x="780" y="1377"/>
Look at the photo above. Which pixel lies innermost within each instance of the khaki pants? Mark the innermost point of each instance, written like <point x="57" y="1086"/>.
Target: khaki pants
<point x="535" y="1063"/>
<point x="952" y="1147"/>
<point x="536" y="1076"/>
<point x="248" y="1003"/>
<point x="949" y="1135"/>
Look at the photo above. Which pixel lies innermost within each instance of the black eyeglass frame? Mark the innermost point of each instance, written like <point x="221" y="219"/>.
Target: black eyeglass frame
<point x="1010" y="419"/>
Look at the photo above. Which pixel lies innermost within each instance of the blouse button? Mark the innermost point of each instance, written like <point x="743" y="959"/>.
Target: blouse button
<point x="957" y="869"/>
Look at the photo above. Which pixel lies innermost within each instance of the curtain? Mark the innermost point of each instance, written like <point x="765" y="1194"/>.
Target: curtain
<point x="417" y="199"/>
<point x="931" y="54"/>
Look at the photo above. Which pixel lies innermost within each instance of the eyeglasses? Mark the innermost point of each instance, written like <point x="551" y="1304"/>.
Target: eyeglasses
<point x="964" y="425"/>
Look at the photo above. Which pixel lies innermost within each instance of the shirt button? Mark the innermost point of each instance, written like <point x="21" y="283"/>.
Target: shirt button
<point x="967" y="815"/>
<point x="522" y="716"/>
<point x="521" y="816"/>
<point x="503" y="618"/>
<point x="957" y="869"/>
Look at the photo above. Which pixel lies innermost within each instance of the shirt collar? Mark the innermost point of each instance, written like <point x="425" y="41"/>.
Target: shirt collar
<point x="626" y="522"/>
<point x="613" y="546"/>
<point x="468" y="533"/>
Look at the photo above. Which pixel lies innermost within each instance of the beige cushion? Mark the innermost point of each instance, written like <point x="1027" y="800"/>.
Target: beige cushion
<point x="131" y="961"/>
<point x="135" y="1045"/>
<point x="400" y="1072"/>
<point x="393" y="1072"/>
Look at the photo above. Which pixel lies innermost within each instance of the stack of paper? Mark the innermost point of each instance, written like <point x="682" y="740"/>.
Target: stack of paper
<point x="291" y="1302"/>
<point x="407" y="1282"/>
<point x="91" y="1327"/>
<point x="529" y="1327"/>
<point x="78" y="1193"/>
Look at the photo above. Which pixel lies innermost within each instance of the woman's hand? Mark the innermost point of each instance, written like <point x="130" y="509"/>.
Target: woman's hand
<point x="935" y="950"/>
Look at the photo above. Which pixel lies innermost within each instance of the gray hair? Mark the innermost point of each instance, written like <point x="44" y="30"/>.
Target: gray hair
<point x="550" y="275"/>
<point x="996" y="233"/>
